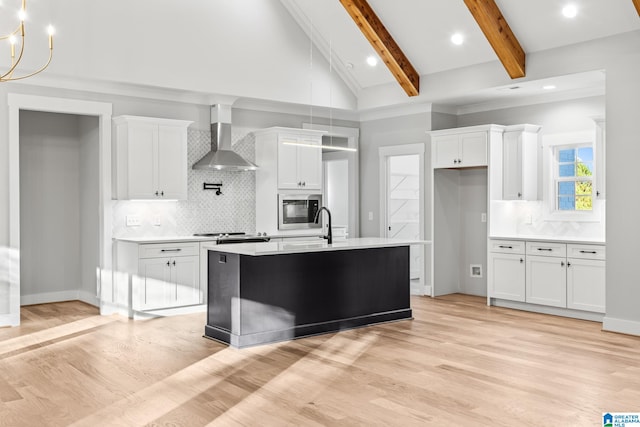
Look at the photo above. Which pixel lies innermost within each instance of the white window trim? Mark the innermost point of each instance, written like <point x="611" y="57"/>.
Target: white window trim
<point x="549" y="144"/>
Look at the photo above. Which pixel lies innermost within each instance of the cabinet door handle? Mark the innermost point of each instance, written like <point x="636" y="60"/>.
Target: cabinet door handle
<point x="169" y="263"/>
<point x="505" y="247"/>
<point x="459" y="160"/>
<point x="588" y="252"/>
<point x="304" y="183"/>
<point x="597" y="194"/>
<point x="545" y="249"/>
<point x="174" y="262"/>
<point x="157" y="193"/>
<point x="561" y="263"/>
<point x="519" y="195"/>
<point x="521" y="260"/>
<point x="170" y="250"/>
<point x="568" y="263"/>
<point x="455" y="161"/>
<point x="162" y="193"/>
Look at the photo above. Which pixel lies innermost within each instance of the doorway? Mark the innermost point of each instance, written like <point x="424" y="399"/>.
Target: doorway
<point x="402" y="204"/>
<point x="59" y="188"/>
<point x="17" y="103"/>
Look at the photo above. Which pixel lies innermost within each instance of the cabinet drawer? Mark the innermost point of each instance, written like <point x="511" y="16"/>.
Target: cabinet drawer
<point x="507" y="246"/>
<point x="156" y="250"/>
<point x="586" y="251"/>
<point x="547" y="249"/>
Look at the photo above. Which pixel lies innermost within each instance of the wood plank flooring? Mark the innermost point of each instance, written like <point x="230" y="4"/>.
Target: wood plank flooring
<point x="457" y="363"/>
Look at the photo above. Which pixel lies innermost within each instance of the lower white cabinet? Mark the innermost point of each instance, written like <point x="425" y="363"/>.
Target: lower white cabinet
<point x="161" y="275"/>
<point x="546" y="280"/>
<point x="506" y="270"/>
<point x="556" y="274"/>
<point x="586" y="277"/>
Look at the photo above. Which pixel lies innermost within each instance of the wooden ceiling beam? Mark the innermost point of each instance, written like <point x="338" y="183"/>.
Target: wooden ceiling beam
<point x="497" y="31"/>
<point x="636" y="3"/>
<point x="389" y="51"/>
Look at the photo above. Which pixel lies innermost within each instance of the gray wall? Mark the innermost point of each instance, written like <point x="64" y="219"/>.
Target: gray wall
<point x="58" y="205"/>
<point x="387" y="132"/>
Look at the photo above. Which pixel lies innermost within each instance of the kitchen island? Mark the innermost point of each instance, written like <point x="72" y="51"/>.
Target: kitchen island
<point x="265" y="292"/>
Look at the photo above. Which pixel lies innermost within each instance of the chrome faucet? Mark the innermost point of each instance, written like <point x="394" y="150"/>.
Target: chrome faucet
<point x="329" y="236"/>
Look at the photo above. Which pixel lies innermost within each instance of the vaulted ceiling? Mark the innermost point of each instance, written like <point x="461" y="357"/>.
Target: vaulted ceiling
<point x="294" y="51"/>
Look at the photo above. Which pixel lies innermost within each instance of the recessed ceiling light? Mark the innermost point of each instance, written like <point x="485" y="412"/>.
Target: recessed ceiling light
<point x="372" y="61"/>
<point x="457" y="39"/>
<point x="570" y="11"/>
<point x="548" y="87"/>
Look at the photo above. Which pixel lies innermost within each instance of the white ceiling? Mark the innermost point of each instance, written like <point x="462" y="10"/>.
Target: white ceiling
<point x="423" y="29"/>
<point x="259" y="50"/>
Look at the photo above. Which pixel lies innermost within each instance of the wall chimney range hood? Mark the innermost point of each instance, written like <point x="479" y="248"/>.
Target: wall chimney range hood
<point x="222" y="157"/>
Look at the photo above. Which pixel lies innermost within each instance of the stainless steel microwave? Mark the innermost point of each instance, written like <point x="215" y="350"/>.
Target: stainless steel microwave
<point x="297" y="211"/>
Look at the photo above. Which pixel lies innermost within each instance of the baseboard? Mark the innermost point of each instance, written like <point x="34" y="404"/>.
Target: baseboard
<point x="175" y="311"/>
<point x="622" y="326"/>
<point x="543" y="309"/>
<point x="46" y="297"/>
<point x="89" y="298"/>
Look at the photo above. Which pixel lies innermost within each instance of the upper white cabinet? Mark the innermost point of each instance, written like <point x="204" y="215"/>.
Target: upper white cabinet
<point x="299" y="161"/>
<point x="462" y="147"/>
<point x="600" y="155"/>
<point x="150" y="158"/>
<point x="520" y="162"/>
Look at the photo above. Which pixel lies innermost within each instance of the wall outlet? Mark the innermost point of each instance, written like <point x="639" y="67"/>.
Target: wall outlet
<point x="157" y="221"/>
<point x="483" y="217"/>
<point x="528" y="219"/>
<point x="133" y="220"/>
<point x="370" y="216"/>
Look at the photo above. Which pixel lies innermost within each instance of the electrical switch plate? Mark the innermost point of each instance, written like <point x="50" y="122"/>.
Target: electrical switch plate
<point x="483" y="217"/>
<point x="133" y="221"/>
<point x="528" y="219"/>
<point x="370" y="216"/>
<point x="157" y="221"/>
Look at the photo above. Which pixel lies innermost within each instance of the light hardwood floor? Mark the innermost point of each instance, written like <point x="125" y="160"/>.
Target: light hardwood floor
<point x="457" y="363"/>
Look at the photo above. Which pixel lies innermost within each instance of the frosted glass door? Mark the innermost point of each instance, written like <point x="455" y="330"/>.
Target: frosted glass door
<point x="403" y="204"/>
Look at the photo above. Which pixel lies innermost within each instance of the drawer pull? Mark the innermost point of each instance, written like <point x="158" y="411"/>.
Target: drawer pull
<point x="170" y="250"/>
<point x="588" y="252"/>
<point x="521" y="260"/>
<point x="545" y="249"/>
<point x="505" y="247"/>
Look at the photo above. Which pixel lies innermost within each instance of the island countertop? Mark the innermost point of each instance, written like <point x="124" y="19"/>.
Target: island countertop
<point x="276" y="248"/>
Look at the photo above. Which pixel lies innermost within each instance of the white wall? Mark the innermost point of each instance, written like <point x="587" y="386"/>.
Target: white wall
<point x="387" y="132"/>
<point x="473" y="232"/>
<point x="89" y="204"/>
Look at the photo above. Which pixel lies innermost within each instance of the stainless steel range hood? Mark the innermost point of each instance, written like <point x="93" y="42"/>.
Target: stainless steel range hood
<point x="222" y="156"/>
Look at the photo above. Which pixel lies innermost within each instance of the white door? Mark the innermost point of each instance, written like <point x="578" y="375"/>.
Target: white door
<point x="185" y="273"/>
<point x="473" y="149"/>
<point x="546" y="280"/>
<point x="287" y="163"/>
<point x="508" y="276"/>
<point x="309" y="165"/>
<point x="172" y="162"/>
<point x="402" y="200"/>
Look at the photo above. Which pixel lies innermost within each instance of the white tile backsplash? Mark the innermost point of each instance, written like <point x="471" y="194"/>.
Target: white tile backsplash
<point x="511" y="219"/>
<point x="203" y="211"/>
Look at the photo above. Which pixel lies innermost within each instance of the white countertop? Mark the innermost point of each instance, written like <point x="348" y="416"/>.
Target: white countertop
<point x="532" y="238"/>
<point x="279" y="248"/>
<point x="164" y="239"/>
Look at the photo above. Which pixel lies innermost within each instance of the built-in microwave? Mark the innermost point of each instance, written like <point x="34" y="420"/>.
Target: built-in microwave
<point x="296" y="211"/>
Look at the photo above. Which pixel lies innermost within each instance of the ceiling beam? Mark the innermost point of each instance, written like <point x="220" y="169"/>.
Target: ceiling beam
<point x="384" y="45"/>
<point x="497" y="31"/>
<point x="637" y="5"/>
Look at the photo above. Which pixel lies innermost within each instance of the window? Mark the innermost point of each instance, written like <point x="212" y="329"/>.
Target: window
<point x="574" y="177"/>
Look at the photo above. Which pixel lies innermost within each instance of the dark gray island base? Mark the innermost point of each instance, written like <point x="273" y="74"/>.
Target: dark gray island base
<point x="262" y="299"/>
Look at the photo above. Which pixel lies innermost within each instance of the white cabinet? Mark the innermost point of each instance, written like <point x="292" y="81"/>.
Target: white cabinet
<point x="586" y="277"/>
<point x="557" y="274"/>
<point x="161" y="275"/>
<point x="506" y="270"/>
<point x="600" y="155"/>
<point x="299" y="162"/>
<point x="291" y="163"/>
<point x="150" y="158"/>
<point x="546" y="274"/>
<point x="520" y="162"/>
<point x="459" y="150"/>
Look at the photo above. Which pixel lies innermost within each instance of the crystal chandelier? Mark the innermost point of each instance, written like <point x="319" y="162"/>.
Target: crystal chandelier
<point x="17" y="37"/>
